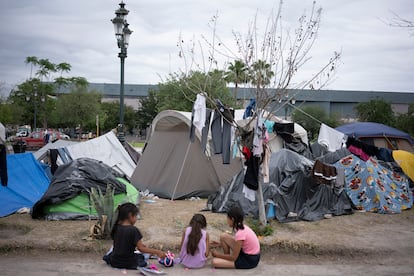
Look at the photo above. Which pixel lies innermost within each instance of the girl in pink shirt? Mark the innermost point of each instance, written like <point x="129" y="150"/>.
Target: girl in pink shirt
<point x="241" y="251"/>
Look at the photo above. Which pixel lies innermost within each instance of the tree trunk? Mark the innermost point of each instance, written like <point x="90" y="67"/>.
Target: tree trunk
<point x="260" y="200"/>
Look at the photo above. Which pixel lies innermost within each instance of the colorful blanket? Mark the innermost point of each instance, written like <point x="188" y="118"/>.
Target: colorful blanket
<point x="372" y="187"/>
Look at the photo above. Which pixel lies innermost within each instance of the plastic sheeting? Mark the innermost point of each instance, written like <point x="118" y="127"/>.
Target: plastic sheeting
<point x="291" y="190"/>
<point x="27" y="183"/>
<point x="105" y="148"/>
<point x="76" y="177"/>
<point x="81" y="208"/>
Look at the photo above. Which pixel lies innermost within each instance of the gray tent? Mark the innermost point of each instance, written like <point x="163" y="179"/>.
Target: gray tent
<point x="173" y="167"/>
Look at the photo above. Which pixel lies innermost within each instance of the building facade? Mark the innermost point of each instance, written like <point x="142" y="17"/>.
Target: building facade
<point x="341" y="102"/>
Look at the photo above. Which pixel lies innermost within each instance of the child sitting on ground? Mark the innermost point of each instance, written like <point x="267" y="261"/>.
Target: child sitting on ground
<point x="194" y="243"/>
<point x="126" y="239"/>
<point x="242" y="251"/>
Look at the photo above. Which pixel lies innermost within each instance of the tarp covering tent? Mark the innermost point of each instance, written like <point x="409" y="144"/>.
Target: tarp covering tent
<point x="379" y="135"/>
<point x="77" y="177"/>
<point x="27" y="182"/>
<point x="291" y="190"/>
<point x="374" y="188"/>
<point x="405" y="160"/>
<point x="173" y="167"/>
<point x="105" y="148"/>
<point x="80" y="207"/>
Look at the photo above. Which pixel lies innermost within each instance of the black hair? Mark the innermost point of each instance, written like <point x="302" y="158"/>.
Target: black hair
<point x="236" y="215"/>
<point x="124" y="211"/>
<point x="197" y="223"/>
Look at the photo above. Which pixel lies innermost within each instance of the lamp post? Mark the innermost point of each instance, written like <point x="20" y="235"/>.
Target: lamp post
<point x="28" y="98"/>
<point x="122" y="34"/>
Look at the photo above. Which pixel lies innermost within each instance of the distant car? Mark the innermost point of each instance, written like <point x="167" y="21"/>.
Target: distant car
<point x="22" y="133"/>
<point x="36" y="139"/>
<point x="64" y="136"/>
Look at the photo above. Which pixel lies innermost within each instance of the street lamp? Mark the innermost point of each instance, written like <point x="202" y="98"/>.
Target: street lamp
<point x="122" y="34"/>
<point x="28" y="98"/>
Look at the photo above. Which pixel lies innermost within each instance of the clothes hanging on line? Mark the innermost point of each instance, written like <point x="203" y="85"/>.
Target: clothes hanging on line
<point x="216" y="132"/>
<point x="331" y="138"/>
<point x="199" y="111"/>
<point x="251" y="178"/>
<point x="368" y="149"/>
<point x="322" y="173"/>
<point x="249" y="111"/>
<point x="358" y="152"/>
<point x="204" y="132"/>
<point x="3" y="165"/>
<point x="265" y="163"/>
<point x="226" y="139"/>
<point x="259" y="137"/>
<point x="284" y="128"/>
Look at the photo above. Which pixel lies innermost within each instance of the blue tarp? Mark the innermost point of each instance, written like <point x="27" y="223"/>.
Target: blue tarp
<point x="374" y="188"/>
<point x="27" y="183"/>
<point x="369" y="129"/>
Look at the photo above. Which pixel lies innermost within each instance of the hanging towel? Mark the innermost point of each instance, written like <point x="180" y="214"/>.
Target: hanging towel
<point x="331" y="138"/>
<point x="199" y="109"/>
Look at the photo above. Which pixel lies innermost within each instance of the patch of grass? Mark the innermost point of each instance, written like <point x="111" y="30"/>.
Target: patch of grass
<point x="260" y="230"/>
<point x="137" y="144"/>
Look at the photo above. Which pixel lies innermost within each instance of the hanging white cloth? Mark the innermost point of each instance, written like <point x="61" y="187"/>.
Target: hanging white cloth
<point x="259" y="136"/>
<point x="199" y="109"/>
<point x="249" y="193"/>
<point x="331" y="138"/>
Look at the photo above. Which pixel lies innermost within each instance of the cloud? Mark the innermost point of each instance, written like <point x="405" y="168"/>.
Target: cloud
<point x="375" y="55"/>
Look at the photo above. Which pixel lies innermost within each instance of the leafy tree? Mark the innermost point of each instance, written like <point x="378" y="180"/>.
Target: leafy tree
<point x="148" y="110"/>
<point x="405" y="122"/>
<point x="109" y="116"/>
<point x="178" y="92"/>
<point x="309" y="117"/>
<point x="237" y="73"/>
<point x="78" y="108"/>
<point x="377" y="110"/>
<point x="6" y="112"/>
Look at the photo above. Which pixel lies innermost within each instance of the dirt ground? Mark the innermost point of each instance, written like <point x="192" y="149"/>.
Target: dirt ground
<point x="361" y="237"/>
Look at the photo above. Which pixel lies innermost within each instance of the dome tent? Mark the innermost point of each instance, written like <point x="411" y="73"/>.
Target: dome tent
<point x="379" y="135"/>
<point x="173" y="167"/>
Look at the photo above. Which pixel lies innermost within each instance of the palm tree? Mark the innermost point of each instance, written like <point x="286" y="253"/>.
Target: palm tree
<point x="33" y="61"/>
<point x="261" y="73"/>
<point x="236" y="73"/>
<point x="62" y="67"/>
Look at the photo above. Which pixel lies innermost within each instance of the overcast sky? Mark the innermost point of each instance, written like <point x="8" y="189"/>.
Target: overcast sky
<point x="375" y="56"/>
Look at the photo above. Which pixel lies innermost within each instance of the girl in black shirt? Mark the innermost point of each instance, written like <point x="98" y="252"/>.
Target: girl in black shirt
<point x="126" y="239"/>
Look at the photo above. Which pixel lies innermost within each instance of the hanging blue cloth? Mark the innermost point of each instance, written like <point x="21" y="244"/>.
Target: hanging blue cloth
<point x="249" y="109"/>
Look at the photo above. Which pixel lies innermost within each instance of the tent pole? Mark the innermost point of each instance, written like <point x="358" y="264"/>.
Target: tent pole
<point x="181" y="170"/>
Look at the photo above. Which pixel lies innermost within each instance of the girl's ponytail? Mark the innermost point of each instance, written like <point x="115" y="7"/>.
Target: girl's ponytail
<point x="197" y="223"/>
